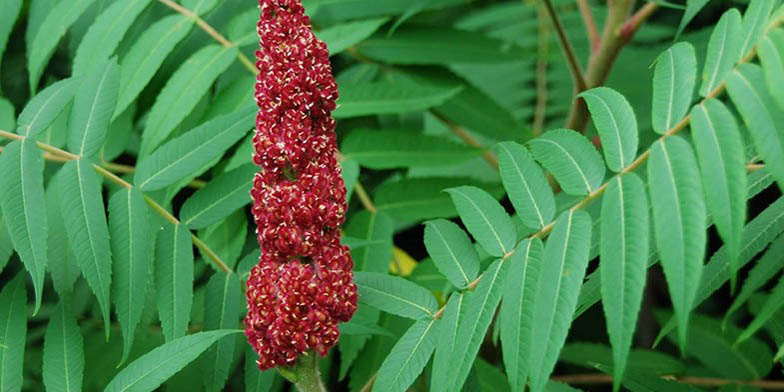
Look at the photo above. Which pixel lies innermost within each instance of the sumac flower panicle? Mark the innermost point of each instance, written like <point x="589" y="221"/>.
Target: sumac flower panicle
<point x="303" y="285"/>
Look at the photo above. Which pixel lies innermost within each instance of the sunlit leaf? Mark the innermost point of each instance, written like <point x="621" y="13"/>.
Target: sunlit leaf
<point x="485" y="219"/>
<point x="528" y="189"/>
<point x="395" y="295"/>
<point x="673" y="86"/>
<point x="63" y="366"/>
<point x="571" y="159"/>
<point x="452" y="251"/>
<point x="174" y="279"/>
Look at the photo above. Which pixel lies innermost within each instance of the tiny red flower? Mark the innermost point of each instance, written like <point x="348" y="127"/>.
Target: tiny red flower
<point x="303" y="285"/>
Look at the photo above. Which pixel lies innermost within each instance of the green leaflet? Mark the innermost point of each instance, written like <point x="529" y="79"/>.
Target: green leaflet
<point x="564" y="261"/>
<point x="9" y="11"/>
<point x="13" y="331"/>
<point x="723" y="51"/>
<point x="146" y="56"/>
<point x="181" y="156"/>
<point x="426" y="45"/>
<point x="43" y="109"/>
<point x="643" y="361"/>
<point x="414" y="199"/>
<point x="256" y="380"/>
<point x="22" y="199"/>
<point x="174" y="279"/>
<point x="746" y="87"/>
<point x="771" y="54"/>
<point x="754" y="24"/>
<point x="88" y="233"/>
<point x="673" y="86"/>
<point x="200" y="7"/>
<point x="359" y="328"/>
<point x="624" y="260"/>
<point x="351" y="346"/>
<point x="516" y="315"/>
<point x="222" y="196"/>
<point x="183" y="91"/>
<point x="715" y="347"/>
<point x="343" y="36"/>
<point x="6" y="246"/>
<point x="223" y="309"/>
<point x="105" y="33"/>
<point x="63" y="366"/>
<point x="349" y="170"/>
<point x="57" y="21"/>
<point x="528" y="189"/>
<point x="408" y="357"/>
<point x="94" y="103"/>
<point x="387" y="149"/>
<point x="377" y="229"/>
<point x="720" y="152"/>
<point x="770" y="307"/>
<point x="7" y="114"/>
<point x="152" y="369"/>
<point x="66" y="270"/>
<point x="452" y="252"/>
<point x="764" y="270"/>
<point x="385" y="97"/>
<point x="447" y="339"/>
<point x="679" y="222"/>
<point x="571" y="159"/>
<point x="616" y="124"/>
<point x="480" y="306"/>
<point x="395" y="295"/>
<point x="227" y="237"/>
<point x="242" y="28"/>
<point x="131" y="242"/>
<point x="485" y="219"/>
<point x="693" y="7"/>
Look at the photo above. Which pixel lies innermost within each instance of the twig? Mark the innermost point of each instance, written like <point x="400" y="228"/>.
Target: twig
<point x="540" y="113"/>
<point x="574" y="65"/>
<point x="119" y="181"/>
<point x="469" y="139"/>
<point x="637" y="19"/>
<point x="600" y="378"/>
<point x="590" y="24"/>
<point x="364" y="198"/>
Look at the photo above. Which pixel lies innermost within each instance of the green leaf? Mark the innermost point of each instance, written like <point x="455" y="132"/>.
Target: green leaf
<point x="485" y="219"/>
<point x="58" y="20"/>
<point x="516" y="315"/>
<point x="131" y="242"/>
<point x="147" y="54"/>
<point x="564" y="261"/>
<point x="624" y="259"/>
<point x="693" y="7"/>
<point x="22" y="199"/>
<point x="105" y="33"/>
<point x="616" y="124"/>
<point x="716" y="349"/>
<point x="223" y="308"/>
<point x="13" y="332"/>
<point x="443" y="359"/>
<point x="385" y="97"/>
<point x="723" y="51"/>
<point x="345" y="35"/>
<point x="771" y="54"/>
<point x="415" y="199"/>
<point x="387" y="149"/>
<point x="528" y="189"/>
<point x="395" y="295"/>
<point x="9" y="11"/>
<point x="452" y="251"/>
<point x="408" y="357"/>
<point x="43" y="109"/>
<point x="255" y="379"/>
<point x="93" y="107"/>
<point x="720" y="152"/>
<point x="427" y="45"/>
<point x="183" y="91"/>
<point x="349" y="170"/>
<point x="764" y="269"/>
<point x="63" y="366"/>
<point x="359" y="328"/>
<point x="589" y="355"/>
<point x="571" y="159"/>
<point x="673" y="86"/>
<point x="222" y="196"/>
<point x="66" y="270"/>
<point x="227" y="238"/>
<point x="746" y="87"/>
<point x="6" y="246"/>
<point x="200" y="7"/>
<point x="183" y="155"/>
<point x="377" y="229"/>
<point x="769" y="309"/>
<point x="480" y="306"/>
<point x="174" y="279"/>
<point x="152" y="369"/>
<point x="679" y="222"/>
<point x="754" y="23"/>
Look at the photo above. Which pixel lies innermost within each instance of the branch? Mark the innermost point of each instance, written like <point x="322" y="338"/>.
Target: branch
<point x="540" y="113"/>
<point x="68" y="156"/>
<point x="464" y="135"/>
<point x="590" y="24"/>
<point x="574" y="66"/>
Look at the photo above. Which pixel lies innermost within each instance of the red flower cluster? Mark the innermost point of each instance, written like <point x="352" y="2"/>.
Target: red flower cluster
<point x="303" y="285"/>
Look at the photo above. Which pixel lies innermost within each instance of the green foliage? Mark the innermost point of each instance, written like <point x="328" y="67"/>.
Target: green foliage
<point x="480" y="226"/>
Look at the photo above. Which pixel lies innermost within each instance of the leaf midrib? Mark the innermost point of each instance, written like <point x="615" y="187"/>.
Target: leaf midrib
<point x="398" y="298"/>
